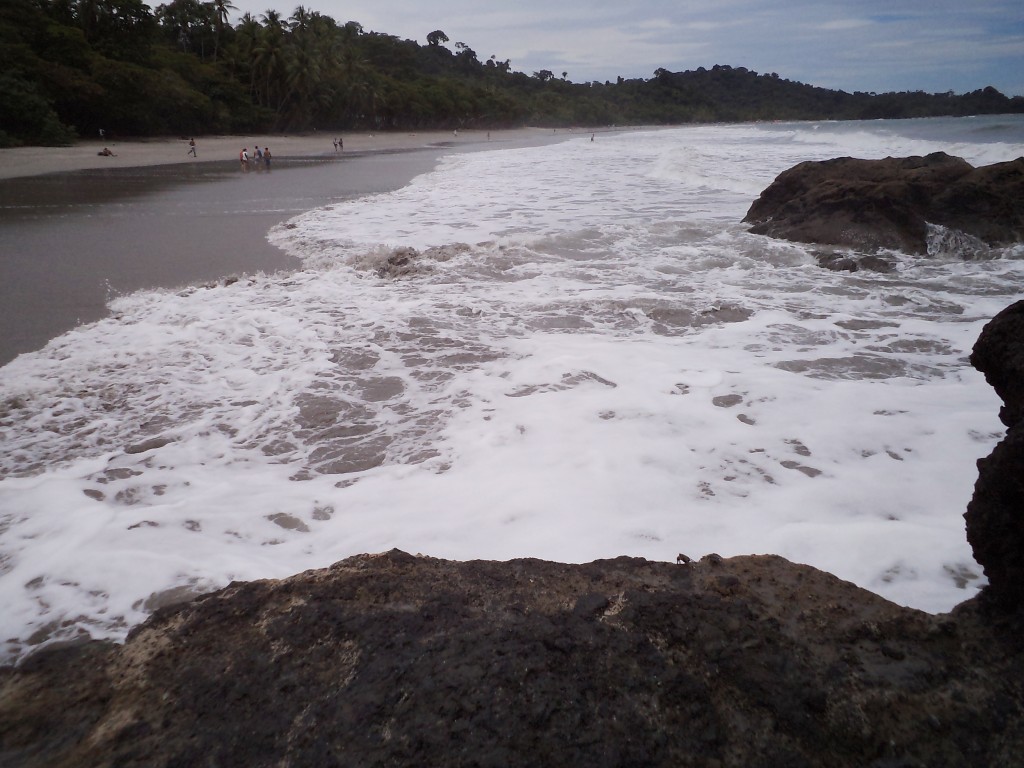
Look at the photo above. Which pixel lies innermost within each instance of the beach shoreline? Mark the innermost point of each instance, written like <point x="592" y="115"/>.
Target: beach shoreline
<point x="78" y="229"/>
<point x="19" y="162"/>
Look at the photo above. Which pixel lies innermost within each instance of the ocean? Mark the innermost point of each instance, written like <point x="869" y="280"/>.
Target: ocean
<point x="573" y="351"/>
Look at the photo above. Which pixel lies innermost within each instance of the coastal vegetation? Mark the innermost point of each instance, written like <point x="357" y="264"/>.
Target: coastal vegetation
<point x="71" y="68"/>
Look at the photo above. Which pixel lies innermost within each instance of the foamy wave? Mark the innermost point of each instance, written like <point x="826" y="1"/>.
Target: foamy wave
<point x="945" y="243"/>
<point x="571" y="352"/>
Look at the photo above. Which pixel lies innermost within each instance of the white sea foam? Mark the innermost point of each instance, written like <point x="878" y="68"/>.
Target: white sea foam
<point x="588" y="357"/>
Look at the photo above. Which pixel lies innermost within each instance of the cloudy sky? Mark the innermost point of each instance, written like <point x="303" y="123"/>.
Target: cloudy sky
<point x="853" y="45"/>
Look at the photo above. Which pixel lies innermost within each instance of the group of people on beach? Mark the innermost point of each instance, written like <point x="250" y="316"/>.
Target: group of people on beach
<point x="260" y="156"/>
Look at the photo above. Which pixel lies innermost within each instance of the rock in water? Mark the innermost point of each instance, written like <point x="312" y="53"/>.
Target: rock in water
<point x="995" y="514"/>
<point x="869" y="205"/>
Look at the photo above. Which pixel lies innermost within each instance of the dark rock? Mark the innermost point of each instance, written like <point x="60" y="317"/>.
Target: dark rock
<point x="854" y="263"/>
<point x="995" y="514"/>
<point x="408" y="661"/>
<point x="875" y="264"/>
<point x="999" y="354"/>
<point x="838" y="263"/>
<point x="890" y="204"/>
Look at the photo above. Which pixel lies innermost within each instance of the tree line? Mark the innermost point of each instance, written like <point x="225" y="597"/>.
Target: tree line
<point x="69" y="68"/>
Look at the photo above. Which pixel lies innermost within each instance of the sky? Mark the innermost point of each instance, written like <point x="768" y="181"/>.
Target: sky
<point x="852" y="45"/>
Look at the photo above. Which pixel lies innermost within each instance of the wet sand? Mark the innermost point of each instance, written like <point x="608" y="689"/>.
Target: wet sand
<point x="83" y="155"/>
<point x="104" y="226"/>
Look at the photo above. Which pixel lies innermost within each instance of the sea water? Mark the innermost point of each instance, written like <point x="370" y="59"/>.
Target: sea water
<point x="573" y="351"/>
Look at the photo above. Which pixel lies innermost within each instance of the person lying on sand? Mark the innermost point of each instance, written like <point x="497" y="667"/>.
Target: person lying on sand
<point x="105" y="152"/>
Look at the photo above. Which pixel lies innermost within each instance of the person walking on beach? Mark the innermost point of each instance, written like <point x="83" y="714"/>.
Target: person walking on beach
<point x="243" y="158"/>
<point x="335" y="144"/>
<point x="192" y="148"/>
<point x="266" y="157"/>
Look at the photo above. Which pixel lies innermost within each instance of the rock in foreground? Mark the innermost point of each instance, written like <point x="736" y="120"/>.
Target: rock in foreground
<point x="869" y="205"/>
<point x="395" y="660"/>
<point x="411" y="661"/>
<point x="995" y="514"/>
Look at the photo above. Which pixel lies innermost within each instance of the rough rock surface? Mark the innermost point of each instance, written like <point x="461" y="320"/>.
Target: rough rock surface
<point x="401" y="660"/>
<point x="870" y="205"/>
<point x="995" y="514"/>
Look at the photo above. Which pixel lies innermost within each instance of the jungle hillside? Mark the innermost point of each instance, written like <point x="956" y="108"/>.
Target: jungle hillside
<point x="69" y="68"/>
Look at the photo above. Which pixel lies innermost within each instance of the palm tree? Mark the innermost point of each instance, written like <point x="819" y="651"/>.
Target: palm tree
<point x="270" y="56"/>
<point x="221" y="12"/>
<point x="360" y="91"/>
<point x="222" y="9"/>
<point x="272" y="20"/>
<point x="302" y="78"/>
<point x="248" y="37"/>
<point x="300" y="20"/>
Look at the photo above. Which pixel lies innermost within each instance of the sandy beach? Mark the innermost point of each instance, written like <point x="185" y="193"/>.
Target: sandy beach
<point x="33" y="161"/>
<point x="78" y="229"/>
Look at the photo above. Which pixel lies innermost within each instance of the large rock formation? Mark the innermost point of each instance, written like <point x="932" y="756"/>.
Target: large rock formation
<point x="403" y="660"/>
<point x="995" y="514"/>
<point x="411" y="661"/>
<point x="868" y="205"/>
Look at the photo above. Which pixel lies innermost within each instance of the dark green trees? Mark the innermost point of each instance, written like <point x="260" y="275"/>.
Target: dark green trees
<point x="72" y="67"/>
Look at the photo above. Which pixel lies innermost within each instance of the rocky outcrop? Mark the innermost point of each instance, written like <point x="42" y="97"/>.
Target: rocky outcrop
<point x="995" y="514"/>
<point x="410" y="661"/>
<point x="405" y="660"/>
<point x="905" y="204"/>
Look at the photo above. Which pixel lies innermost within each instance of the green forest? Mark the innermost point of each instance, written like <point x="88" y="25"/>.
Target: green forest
<point x="69" y="68"/>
